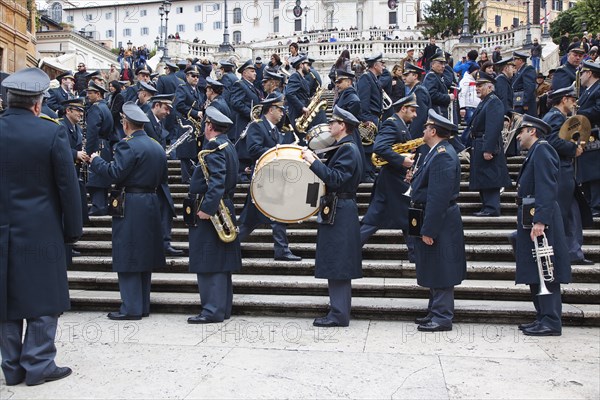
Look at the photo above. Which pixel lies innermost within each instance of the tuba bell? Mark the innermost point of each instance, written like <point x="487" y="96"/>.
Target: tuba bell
<point x="386" y="101"/>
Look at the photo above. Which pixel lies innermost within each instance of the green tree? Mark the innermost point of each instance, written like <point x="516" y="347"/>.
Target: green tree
<point x="445" y="17"/>
<point x="572" y="20"/>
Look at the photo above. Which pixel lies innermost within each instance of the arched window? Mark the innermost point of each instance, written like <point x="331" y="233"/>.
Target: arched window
<point x="237" y="37"/>
<point x="237" y="15"/>
<point x="56" y="11"/>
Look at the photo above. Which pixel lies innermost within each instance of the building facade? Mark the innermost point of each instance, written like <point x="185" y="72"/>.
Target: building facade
<point x="17" y="35"/>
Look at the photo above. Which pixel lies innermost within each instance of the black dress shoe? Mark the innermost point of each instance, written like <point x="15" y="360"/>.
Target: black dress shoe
<point x="75" y="253"/>
<point x="59" y="373"/>
<point x="541" y="330"/>
<point x="144" y="315"/>
<point x="325" y="322"/>
<point x="201" y="319"/>
<point x="288" y="257"/>
<point x="117" y="316"/>
<point x="528" y="325"/>
<point x="170" y="251"/>
<point x="423" y="320"/>
<point x="14" y="382"/>
<point x="583" y="261"/>
<point x="433" y="327"/>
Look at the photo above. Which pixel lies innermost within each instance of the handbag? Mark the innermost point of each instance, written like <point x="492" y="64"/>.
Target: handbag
<point x="116" y="203"/>
<point x="190" y="216"/>
<point x="327" y="210"/>
<point x="519" y="99"/>
<point x="527" y="212"/>
<point x="415" y="221"/>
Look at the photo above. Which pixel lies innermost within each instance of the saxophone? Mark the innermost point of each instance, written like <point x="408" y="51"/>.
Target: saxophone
<point x="399" y="148"/>
<point x="222" y="220"/>
<point x="316" y="104"/>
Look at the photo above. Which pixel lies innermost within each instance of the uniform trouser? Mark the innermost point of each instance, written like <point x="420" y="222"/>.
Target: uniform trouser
<point x="280" y="241"/>
<point x="441" y="305"/>
<point x="216" y="295"/>
<point x="490" y="201"/>
<point x="592" y="194"/>
<point x="548" y="307"/>
<point x="574" y="231"/>
<point x="30" y="357"/>
<point x="187" y="169"/>
<point x="366" y="231"/>
<point x="166" y="221"/>
<point x="84" y="204"/>
<point x="99" y="199"/>
<point x="135" y="292"/>
<point x="340" y="300"/>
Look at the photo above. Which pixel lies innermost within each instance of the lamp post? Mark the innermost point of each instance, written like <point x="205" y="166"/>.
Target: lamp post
<point x="306" y="18"/>
<point x="465" y="35"/>
<point x="167" y="7"/>
<point x="225" y="47"/>
<point x="583" y="27"/>
<point x="528" y="34"/>
<point x="156" y="43"/>
<point x="161" y="12"/>
<point x="545" y="33"/>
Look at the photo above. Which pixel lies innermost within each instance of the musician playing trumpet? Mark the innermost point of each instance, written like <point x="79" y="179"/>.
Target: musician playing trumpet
<point x="538" y="187"/>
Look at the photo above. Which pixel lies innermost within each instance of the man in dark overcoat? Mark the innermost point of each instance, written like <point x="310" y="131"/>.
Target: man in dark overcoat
<point x="62" y="93"/>
<point x="412" y="75"/>
<point x="389" y="206"/>
<point x="167" y="84"/>
<point x="524" y="86"/>
<point x="210" y="258"/>
<point x="488" y="171"/>
<point x="142" y="75"/>
<point x="440" y="252"/>
<point x="228" y="78"/>
<point x="538" y="183"/>
<point x="565" y="75"/>
<point x="338" y="257"/>
<point x="505" y="70"/>
<point x="139" y="167"/>
<point x="434" y="83"/>
<point x="297" y="90"/>
<point x="40" y="212"/>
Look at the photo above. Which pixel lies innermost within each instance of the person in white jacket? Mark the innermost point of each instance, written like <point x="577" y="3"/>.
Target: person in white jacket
<point x="467" y="97"/>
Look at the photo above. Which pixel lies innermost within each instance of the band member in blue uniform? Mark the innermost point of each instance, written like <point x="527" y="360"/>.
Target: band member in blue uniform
<point x="139" y="167"/>
<point x="524" y="86"/>
<point x="162" y="106"/>
<point x="260" y="70"/>
<point x="389" y="206"/>
<point x="563" y="101"/>
<point x="39" y="213"/>
<point x="210" y="258"/>
<point x="189" y="101"/>
<point x="144" y="95"/>
<point x="505" y="69"/>
<point x="62" y="93"/>
<point x="315" y="82"/>
<point x="244" y="95"/>
<point x="370" y="94"/>
<point x="411" y="76"/>
<point x="143" y="75"/>
<point x="440" y="252"/>
<point x="588" y="165"/>
<point x="338" y="257"/>
<point x="538" y="183"/>
<point x="167" y="84"/>
<point x="434" y="83"/>
<point x="214" y="94"/>
<point x="228" y="78"/>
<point x="488" y="172"/>
<point x="262" y="135"/>
<point x="99" y="135"/>
<point x="297" y="90"/>
<point x="564" y="76"/>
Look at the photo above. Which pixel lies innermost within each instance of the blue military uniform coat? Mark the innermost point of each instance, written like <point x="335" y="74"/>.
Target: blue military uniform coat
<point x="564" y="76"/>
<point x="130" y="94"/>
<point x="435" y="186"/>
<point x="504" y="91"/>
<point x="57" y="96"/>
<point x="339" y="254"/>
<point x="228" y="79"/>
<point x="244" y="96"/>
<point x="438" y="91"/>
<point x="389" y="207"/>
<point x="417" y="126"/>
<point x="188" y="101"/>
<point x="74" y="135"/>
<point x="588" y="164"/>
<point x="538" y="178"/>
<point x="371" y="98"/>
<point x="99" y="134"/>
<point x="137" y="242"/>
<point x="208" y="254"/>
<point x="297" y="96"/>
<point x="486" y="130"/>
<point x="167" y="84"/>
<point x="348" y="100"/>
<point x="524" y="80"/>
<point x="36" y="220"/>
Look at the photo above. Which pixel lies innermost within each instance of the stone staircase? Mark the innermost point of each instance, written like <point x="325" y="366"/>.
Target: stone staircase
<point x="388" y="290"/>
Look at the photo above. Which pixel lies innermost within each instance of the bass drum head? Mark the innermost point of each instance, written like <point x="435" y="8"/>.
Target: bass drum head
<point x="283" y="187"/>
<point x="319" y="137"/>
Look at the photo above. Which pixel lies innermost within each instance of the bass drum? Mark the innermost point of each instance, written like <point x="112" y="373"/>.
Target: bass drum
<point x="283" y="187"/>
<point x="319" y="137"/>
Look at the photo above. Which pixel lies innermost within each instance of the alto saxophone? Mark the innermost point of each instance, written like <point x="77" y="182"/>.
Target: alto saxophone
<point x="222" y="220"/>
<point x="399" y="148"/>
<point x="316" y="104"/>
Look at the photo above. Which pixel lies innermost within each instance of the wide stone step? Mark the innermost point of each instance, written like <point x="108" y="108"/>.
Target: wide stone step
<point x="366" y="287"/>
<point x="479" y="311"/>
<point x="478" y="270"/>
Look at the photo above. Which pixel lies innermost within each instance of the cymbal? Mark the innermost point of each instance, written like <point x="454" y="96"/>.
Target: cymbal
<point x="576" y="129"/>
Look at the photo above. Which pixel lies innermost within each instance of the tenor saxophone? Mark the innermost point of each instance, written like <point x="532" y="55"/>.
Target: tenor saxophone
<point x="222" y="220"/>
<point x="399" y="148"/>
<point x="316" y="104"/>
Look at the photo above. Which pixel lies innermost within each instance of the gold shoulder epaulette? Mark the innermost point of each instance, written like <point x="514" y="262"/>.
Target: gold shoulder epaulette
<point x="212" y="140"/>
<point x="441" y="149"/>
<point x="391" y="118"/>
<point x="47" y="118"/>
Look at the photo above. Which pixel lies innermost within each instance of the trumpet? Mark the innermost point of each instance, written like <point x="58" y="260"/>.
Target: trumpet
<point x="400" y="148"/>
<point x="386" y="101"/>
<point x="542" y="252"/>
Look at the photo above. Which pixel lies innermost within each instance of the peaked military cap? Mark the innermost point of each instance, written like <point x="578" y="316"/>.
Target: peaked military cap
<point x="520" y="55"/>
<point x="193" y="69"/>
<point x="342" y="115"/>
<point x="485" y="78"/>
<point x="245" y="66"/>
<point x="213" y="82"/>
<point x="588" y="65"/>
<point x="408" y="68"/>
<point x="258" y="60"/>
<point x="408" y="101"/>
<point x="341" y="74"/>
<point x="92" y="74"/>
<point x="142" y="70"/>
<point x="134" y="114"/>
<point x="27" y="82"/>
<point x="439" y="56"/>
<point x="505" y="61"/>
<point x="147" y="87"/>
<point x="65" y="75"/>
<point x="171" y="66"/>
<point x="373" y="58"/>
<point x="273" y="75"/>
<point x="163" y="98"/>
<point x="227" y="64"/>
<point x="273" y="99"/>
<point x="568" y="91"/>
<point x="576" y="47"/>
<point x="310" y="60"/>
<point x="216" y="117"/>
<point x="541" y="127"/>
<point x="436" y="119"/>
<point x="94" y="87"/>
<point x="78" y="103"/>
<point x="182" y="64"/>
<point x="154" y="75"/>
<point x="296" y="61"/>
